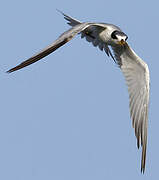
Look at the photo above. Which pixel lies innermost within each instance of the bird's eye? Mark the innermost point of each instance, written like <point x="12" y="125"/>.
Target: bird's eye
<point x="113" y="35"/>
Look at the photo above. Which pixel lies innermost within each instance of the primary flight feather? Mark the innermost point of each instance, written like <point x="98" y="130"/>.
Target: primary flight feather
<point x="134" y="69"/>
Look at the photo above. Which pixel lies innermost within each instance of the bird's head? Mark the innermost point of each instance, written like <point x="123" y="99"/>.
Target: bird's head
<point x="118" y="37"/>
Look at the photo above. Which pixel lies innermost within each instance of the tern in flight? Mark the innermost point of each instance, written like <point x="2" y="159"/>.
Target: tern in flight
<point x="134" y="69"/>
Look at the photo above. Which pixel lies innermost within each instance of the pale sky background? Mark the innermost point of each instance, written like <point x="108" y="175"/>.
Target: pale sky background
<point x="66" y="117"/>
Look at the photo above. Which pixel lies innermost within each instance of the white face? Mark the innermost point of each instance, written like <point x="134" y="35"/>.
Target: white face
<point x="118" y="37"/>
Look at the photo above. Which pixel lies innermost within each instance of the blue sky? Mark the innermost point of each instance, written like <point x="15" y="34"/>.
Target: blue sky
<point x="67" y="116"/>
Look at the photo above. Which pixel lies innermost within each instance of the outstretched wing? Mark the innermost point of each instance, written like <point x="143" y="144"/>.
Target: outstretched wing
<point x="136" y="73"/>
<point x="63" y="39"/>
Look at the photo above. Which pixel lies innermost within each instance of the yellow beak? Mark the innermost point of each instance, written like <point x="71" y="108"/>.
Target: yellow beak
<point x="122" y="42"/>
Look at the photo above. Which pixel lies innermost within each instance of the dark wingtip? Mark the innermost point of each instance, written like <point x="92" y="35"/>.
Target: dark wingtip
<point x="143" y="160"/>
<point x="142" y="170"/>
<point x="13" y="69"/>
<point x="9" y="71"/>
<point x="138" y="143"/>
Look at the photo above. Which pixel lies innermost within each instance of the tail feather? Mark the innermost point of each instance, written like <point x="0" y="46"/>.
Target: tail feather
<point x="71" y="21"/>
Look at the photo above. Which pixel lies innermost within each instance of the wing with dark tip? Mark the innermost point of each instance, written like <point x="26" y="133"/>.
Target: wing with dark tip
<point x="40" y="55"/>
<point x="136" y="73"/>
<point x="63" y="39"/>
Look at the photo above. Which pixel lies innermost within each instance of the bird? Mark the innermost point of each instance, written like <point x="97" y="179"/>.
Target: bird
<point x="113" y="41"/>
